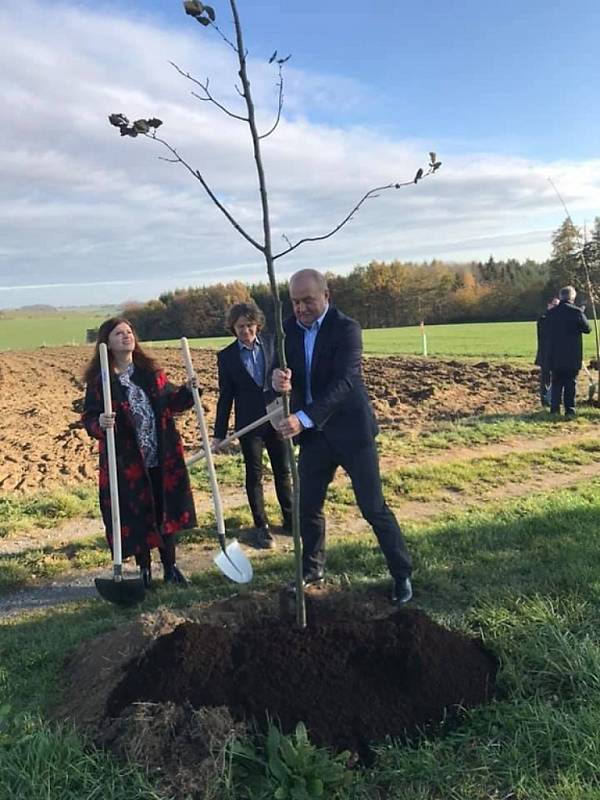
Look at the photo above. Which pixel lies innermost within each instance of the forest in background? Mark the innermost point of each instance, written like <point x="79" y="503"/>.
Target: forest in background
<point x="394" y="294"/>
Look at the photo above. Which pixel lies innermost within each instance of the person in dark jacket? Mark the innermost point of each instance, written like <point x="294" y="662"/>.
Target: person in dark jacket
<point x="155" y="499"/>
<point x="244" y="369"/>
<point x="540" y="357"/>
<point x="564" y="326"/>
<point x="335" y="426"/>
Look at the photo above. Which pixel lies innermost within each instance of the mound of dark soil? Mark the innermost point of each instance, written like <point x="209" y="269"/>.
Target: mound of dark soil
<point x="169" y="691"/>
<point x="351" y="681"/>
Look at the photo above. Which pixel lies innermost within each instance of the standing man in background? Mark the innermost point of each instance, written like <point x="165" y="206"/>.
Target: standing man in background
<point x="244" y="367"/>
<point x="335" y="425"/>
<point x="565" y="325"/>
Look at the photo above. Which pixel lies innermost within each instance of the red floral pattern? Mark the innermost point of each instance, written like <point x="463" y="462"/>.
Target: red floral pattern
<point x="139" y="526"/>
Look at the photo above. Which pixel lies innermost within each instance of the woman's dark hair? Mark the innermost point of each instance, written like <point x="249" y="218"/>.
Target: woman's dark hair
<point x="140" y="357"/>
<point x="249" y="310"/>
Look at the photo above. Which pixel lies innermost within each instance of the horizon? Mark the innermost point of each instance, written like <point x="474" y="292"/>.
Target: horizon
<point x="507" y="97"/>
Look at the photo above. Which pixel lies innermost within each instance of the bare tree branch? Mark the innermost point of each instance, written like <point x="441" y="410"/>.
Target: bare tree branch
<point x="209" y="98"/>
<point x="369" y="195"/>
<point x="279" y="105"/>
<point x="197" y="174"/>
<point x="225" y="39"/>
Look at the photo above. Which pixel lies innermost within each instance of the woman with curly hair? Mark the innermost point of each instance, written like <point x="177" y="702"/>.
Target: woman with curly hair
<point x="155" y="498"/>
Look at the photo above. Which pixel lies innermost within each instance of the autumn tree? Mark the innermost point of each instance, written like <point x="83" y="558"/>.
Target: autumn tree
<point x="564" y="264"/>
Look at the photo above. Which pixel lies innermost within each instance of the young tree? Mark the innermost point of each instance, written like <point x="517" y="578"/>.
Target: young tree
<point x="206" y="16"/>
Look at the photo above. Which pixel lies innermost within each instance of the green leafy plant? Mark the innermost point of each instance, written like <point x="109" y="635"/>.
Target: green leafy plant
<point x="281" y="767"/>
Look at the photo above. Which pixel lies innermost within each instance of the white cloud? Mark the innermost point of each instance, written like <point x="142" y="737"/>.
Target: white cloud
<point x="79" y="206"/>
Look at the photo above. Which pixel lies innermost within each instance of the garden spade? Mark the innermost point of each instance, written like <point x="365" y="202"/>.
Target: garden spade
<point x="121" y="591"/>
<point x="231" y="561"/>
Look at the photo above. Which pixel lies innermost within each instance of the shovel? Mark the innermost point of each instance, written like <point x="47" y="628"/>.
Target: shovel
<point x="274" y="415"/>
<point x="121" y="591"/>
<point x="231" y="561"/>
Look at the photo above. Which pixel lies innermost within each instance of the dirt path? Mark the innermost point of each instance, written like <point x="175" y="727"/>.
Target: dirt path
<point x="79" y="585"/>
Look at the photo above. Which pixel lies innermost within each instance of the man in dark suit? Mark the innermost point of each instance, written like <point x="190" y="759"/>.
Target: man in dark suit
<point x="335" y="426"/>
<point x="541" y="359"/>
<point x="244" y="368"/>
<point x="564" y="326"/>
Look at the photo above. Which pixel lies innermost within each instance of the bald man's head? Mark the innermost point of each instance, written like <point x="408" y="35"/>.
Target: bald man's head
<point x="309" y="295"/>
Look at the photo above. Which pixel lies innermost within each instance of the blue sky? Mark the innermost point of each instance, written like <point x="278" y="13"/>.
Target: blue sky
<point x="506" y="93"/>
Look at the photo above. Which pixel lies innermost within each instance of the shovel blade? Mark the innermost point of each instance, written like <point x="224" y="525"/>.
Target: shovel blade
<point x="127" y="592"/>
<point x="234" y="564"/>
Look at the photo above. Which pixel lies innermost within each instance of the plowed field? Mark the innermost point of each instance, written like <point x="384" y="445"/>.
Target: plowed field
<point x="43" y="446"/>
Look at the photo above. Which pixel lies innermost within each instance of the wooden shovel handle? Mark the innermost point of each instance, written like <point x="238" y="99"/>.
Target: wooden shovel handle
<point x="185" y="349"/>
<point x="112" y="466"/>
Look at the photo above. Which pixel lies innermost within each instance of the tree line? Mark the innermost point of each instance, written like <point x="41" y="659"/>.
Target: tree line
<point x="393" y="294"/>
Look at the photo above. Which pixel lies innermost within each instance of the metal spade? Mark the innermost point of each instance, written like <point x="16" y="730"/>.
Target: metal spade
<point x="238" y="567"/>
<point x="121" y="591"/>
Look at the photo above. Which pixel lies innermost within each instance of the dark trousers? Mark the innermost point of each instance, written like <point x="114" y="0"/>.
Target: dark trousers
<point x="252" y="449"/>
<point x="545" y="381"/>
<point x="564" y="385"/>
<point x="317" y="464"/>
<point x="167" y="550"/>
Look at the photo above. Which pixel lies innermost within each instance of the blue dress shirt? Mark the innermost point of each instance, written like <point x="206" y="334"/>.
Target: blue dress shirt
<point x="253" y="359"/>
<point x="310" y="337"/>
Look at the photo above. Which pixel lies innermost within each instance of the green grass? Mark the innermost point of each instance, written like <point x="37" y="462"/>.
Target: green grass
<point x="483" y="340"/>
<point x="38" y="761"/>
<point x="487" y="430"/>
<point x="524" y="575"/>
<point x="472" y="477"/>
<point x="508" y="340"/>
<point x="25" y="331"/>
<point x="46" y="509"/>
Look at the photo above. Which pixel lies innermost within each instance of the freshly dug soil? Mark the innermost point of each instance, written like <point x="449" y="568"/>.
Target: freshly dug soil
<point x="169" y="692"/>
<point x="352" y="681"/>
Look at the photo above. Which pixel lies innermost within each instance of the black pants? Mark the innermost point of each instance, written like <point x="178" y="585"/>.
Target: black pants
<point x="545" y="381"/>
<point x="564" y="385"/>
<point x="317" y="465"/>
<point x="252" y="449"/>
<point x="167" y="550"/>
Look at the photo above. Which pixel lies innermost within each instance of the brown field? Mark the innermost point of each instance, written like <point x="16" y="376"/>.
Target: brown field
<point x="43" y="446"/>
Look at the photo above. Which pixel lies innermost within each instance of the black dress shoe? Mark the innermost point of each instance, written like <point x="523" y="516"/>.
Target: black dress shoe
<point x="175" y="575"/>
<point x="402" y="591"/>
<point x="264" y="538"/>
<point x="313" y="577"/>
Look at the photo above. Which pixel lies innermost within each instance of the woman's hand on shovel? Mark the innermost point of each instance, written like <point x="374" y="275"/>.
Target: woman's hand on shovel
<point x="107" y="420"/>
<point x="192" y="383"/>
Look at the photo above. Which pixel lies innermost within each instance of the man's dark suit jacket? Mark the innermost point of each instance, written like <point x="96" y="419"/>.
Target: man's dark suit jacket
<point x="237" y="387"/>
<point x="340" y="406"/>
<point x="541" y="357"/>
<point x="563" y="327"/>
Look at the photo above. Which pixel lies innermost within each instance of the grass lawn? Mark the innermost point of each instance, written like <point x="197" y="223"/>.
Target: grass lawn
<point x="26" y="331"/>
<point x="521" y="573"/>
<point x="524" y="575"/>
<point x="505" y="340"/>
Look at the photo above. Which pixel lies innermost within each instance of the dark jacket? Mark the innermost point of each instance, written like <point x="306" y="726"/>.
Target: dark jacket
<point x="542" y="340"/>
<point x="136" y="503"/>
<point x="564" y="326"/>
<point x="238" y="388"/>
<point x="340" y="405"/>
